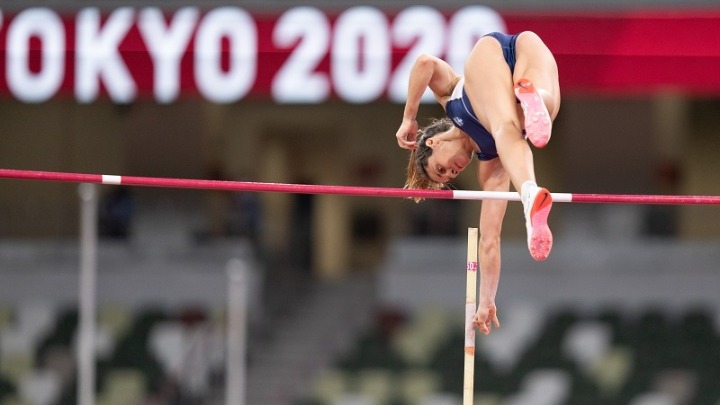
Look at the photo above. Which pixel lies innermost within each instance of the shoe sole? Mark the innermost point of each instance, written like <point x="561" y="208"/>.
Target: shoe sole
<point x="538" y="125"/>
<point x="541" y="239"/>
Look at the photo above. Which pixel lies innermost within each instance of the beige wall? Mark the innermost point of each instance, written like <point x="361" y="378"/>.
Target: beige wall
<point x="701" y="170"/>
<point x="58" y="136"/>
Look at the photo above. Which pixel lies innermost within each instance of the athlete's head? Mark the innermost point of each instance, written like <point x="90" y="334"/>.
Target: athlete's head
<point x="441" y="153"/>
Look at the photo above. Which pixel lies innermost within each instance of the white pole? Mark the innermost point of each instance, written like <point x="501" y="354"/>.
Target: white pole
<point x="88" y="272"/>
<point x="236" y="332"/>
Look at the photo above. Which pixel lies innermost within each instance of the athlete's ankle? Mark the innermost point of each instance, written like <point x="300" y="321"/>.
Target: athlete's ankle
<point x="525" y="191"/>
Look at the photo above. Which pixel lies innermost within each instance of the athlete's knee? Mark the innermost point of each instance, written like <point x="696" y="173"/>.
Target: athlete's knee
<point x="490" y="241"/>
<point x="531" y="37"/>
<point x="505" y="129"/>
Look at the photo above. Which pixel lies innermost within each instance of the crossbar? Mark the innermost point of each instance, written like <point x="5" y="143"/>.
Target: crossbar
<point x="249" y="186"/>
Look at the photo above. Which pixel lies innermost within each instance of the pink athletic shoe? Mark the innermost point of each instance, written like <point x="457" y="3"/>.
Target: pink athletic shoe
<point x="538" y="124"/>
<point x="540" y="238"/>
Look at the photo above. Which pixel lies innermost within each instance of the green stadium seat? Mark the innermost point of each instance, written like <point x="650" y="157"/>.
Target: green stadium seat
<point x="377" y="384"/>
<point x="41" y="387"/>
<point x="123" y="387"/>
<point x="330" y="386"/>
<point x="415" y="385"/>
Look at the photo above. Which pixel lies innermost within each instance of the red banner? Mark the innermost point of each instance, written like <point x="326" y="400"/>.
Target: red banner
<point x="358" y="55"/>
<point x="632" y="51"/>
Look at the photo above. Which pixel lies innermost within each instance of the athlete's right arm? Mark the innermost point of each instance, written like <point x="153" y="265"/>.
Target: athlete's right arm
<point x="491" y="176"/>
<point x="428" y="71"/>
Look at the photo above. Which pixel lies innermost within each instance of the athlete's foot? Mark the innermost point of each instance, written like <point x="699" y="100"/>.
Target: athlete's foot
<point x="537" y="209"/>
<point x="538" y="124"/>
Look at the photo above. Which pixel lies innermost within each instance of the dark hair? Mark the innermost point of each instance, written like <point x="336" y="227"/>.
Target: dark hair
<point x="417" y="177"/>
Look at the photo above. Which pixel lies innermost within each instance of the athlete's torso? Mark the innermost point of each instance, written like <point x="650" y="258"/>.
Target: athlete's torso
<point x="459" y="110"/>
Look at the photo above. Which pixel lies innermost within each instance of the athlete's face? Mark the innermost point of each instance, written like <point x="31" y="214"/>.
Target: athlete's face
<point x="450" y="156"/>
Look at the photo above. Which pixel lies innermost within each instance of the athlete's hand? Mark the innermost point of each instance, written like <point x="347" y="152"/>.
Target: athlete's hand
<point x="407" y="134"/>
<point x="486" y="318"/>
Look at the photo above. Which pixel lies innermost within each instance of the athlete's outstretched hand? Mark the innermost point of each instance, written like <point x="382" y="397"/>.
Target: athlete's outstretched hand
<point x="407" y="134"/>
<point x="486" y="318"/>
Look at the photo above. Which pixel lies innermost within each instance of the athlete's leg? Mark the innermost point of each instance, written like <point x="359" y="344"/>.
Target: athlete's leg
<point x="536" y="86"/>
<point x="489" y="86"/>
<point x="535" y="62"/>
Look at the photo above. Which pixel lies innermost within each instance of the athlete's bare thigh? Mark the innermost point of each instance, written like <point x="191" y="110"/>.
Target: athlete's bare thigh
<point x="489" y="85"/>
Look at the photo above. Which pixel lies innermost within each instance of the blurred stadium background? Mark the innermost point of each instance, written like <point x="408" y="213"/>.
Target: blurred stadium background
<point x="352" y="301"/>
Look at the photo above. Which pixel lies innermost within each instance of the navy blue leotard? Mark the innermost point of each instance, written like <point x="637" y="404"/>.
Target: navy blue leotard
<point x="459" y="110"/>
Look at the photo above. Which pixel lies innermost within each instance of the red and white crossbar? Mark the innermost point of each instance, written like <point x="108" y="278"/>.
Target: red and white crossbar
<point x="161" y="182"/>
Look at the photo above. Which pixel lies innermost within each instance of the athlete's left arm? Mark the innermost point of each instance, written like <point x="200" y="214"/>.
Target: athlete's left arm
<point x="432" y="72"/>
<point x="428" y="71"/>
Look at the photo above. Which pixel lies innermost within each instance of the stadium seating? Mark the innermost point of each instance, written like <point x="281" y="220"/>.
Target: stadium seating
<point x="141" y="354"/>
<point x="564" y="356"/>
<point x="572" y="357"/>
